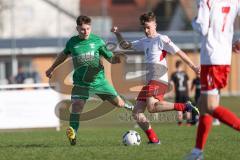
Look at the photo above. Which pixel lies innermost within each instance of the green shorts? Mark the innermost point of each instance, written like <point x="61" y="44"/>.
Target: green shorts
<point x="104" y="91"/>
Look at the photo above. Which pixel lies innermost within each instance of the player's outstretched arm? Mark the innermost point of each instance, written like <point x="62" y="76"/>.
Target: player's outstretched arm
<point x="122" y="42"/>
<point x="60" y="59"/>
<point x="188" y="61"/>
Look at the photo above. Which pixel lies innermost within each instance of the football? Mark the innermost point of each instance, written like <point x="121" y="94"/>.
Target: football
<point x="131" y="138"/>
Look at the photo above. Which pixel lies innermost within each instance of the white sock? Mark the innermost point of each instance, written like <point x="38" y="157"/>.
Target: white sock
<point x="128" y="106"/>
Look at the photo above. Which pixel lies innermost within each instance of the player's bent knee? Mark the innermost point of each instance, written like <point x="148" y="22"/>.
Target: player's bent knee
<point x="210" y="109"/>
<point x="151" y="109"/>
<point x="139" y="117"/>
<point x="135" y="116"/>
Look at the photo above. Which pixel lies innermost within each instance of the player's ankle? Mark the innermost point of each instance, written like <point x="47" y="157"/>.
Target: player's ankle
<point x="179" y="123"/>
<point x="152" y="136"/>
<point x="197" y="150"/>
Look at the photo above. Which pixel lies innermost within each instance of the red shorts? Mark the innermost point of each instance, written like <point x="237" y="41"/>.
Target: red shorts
<point x="214" y="76"/>
<point x="154" y="89"/>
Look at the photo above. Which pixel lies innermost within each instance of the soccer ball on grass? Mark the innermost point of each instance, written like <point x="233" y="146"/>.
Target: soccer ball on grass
<point x="131" y="138"/>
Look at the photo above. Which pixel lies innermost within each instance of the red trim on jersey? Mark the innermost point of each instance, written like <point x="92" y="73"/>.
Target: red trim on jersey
<point x="225" y="11"/>
<point x="163" y="55"/>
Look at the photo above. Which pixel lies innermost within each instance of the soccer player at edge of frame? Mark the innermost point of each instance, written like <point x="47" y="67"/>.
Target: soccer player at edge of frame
<point x="86" y="49"/>
<point x="214" y="22"/>
<point x="155" y="47"/>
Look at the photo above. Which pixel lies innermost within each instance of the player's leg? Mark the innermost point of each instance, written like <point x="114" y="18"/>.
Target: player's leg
<point x="219" y="112"/>
<point x="143" y="122"/>
<point x="121" y="102"/>
<point x="185" y="99"/>
<point x="189" y="118"/>
<point x="204" y="127"/>
<point x="155" y="91"/>
<point x="76" y="109"/>
<point x="180" y="114"/>
<point x="225" y="116"/>
<point x="108" y="92"/>
<point x="205" y="122"/>
<point x="180" y="117"/>
<point x="194" y="116"/>
<point x="209" y="103"/>
<point x="208" y="99"/>
<point x="162" y="106"/>
<point x="78" y="100"/>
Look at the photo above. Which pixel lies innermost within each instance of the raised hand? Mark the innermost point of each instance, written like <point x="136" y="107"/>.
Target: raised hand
<point x="114" y="29"/>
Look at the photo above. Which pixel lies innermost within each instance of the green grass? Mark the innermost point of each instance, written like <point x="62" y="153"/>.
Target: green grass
<point x="101" y="139"/>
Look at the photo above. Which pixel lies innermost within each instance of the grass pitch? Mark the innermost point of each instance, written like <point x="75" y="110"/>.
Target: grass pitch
<point x="101" y="139"/>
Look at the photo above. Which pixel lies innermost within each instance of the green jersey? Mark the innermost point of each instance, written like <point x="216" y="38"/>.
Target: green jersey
<point x="88" y="71"/>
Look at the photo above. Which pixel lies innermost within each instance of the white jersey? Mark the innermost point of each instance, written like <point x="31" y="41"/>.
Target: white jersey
<point x="215" y="23"/>
<point x="155" y="50"/>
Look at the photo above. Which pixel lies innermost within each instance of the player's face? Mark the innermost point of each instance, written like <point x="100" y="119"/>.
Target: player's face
<point x="84" y="30"/>
<point x="150" y="28"/>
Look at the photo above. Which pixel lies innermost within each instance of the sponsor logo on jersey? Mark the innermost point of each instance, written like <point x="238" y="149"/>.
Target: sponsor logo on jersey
<point x="88" y="56"/>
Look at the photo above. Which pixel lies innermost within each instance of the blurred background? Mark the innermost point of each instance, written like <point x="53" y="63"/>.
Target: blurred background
<point x="32" y="33"/>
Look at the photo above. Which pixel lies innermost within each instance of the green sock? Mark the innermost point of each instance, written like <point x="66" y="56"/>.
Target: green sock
<point x="74" y="121"/>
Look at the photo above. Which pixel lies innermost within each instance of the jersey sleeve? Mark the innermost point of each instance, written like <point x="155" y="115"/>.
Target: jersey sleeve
<point x="137" y="45"/>
<point x="201" y="22"/>
<point x="67" y="50"/>
<point x="168" y="45"/>
<point x="103" y="51"/>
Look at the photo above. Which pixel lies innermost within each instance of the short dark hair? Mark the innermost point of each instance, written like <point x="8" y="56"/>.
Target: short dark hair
<point x="147" y="17"/>
<point x="178" y="63"/>
<point x="83" y="20"/>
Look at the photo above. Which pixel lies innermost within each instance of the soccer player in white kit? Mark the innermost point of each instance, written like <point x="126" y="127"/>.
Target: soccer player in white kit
<point x="155" y="47"/>
<point x="214" y="22"/>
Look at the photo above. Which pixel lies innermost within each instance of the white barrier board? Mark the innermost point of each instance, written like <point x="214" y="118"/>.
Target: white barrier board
<point x="28" y="108"/>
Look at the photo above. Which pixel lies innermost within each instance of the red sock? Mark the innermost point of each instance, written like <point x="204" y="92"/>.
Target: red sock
<point x="204" y="127"/>
<point x="179" y="106"/>
<point x="227" y="117"/>
<point x="152" y="136"/>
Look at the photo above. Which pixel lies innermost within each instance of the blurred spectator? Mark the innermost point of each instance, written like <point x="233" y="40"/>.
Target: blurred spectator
<point x="196" y="85"/>
<point x="21" y="76"/>
<point x="35" y="76"/>
<point x="26" y="77"/>
<point x="179" y="79"/>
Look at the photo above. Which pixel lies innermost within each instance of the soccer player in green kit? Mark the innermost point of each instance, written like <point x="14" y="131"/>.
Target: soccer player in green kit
<point x="88" y="78"/>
